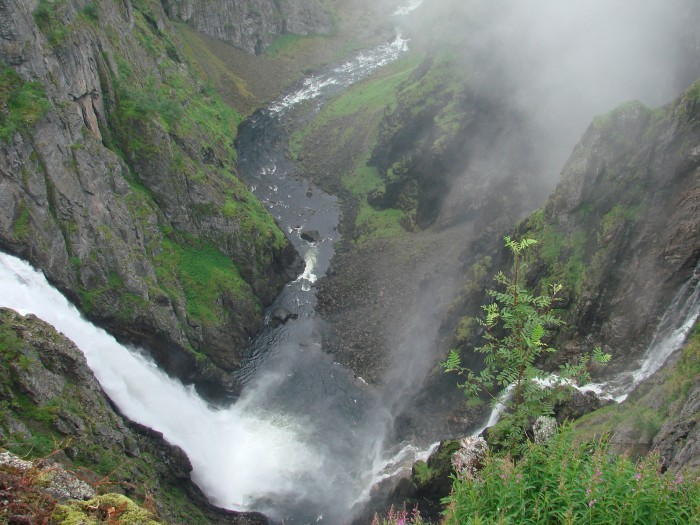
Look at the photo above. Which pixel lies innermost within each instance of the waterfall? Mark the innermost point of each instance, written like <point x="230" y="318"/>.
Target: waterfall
<point x="301" y="445"/>
<point x="406" y="9"/>
<point x="239" y="455"/>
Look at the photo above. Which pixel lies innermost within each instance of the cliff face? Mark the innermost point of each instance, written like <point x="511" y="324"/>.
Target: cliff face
<point x="452" y="151"/>
<point x="620" y="233"/>
<point x="621" y="230"/>
<point x="117" y="179"/>
<point x="252" y="26"/>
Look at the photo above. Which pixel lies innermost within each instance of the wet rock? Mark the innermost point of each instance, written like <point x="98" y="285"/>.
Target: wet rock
<point x="544" y="429"/>
<point x="578" y="404"/>
<point x="311" y="236"/>
<point x="56" y="482"/>
<point x="281" y="315"/>
<point x="68" y="203"/>
<point x="433" y="478"/>
<point x="73" y="405"/>
<point x="469" y="459"/>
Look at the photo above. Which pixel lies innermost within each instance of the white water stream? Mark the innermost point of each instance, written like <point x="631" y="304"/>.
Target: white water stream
<point x="247" y="452"/>
<point x="673" y="329"/>
<point x="670" y="335"/>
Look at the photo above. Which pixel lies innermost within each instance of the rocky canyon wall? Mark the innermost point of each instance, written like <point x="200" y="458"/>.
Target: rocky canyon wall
<point x="117" y="178"/>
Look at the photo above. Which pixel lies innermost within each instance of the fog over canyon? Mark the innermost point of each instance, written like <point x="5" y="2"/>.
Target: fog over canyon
<point x="265" y="224"/>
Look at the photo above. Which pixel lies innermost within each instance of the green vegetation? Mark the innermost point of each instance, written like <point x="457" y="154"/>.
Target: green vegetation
<point x="91" y="11"/>
<point x="47" y="16"/>
<point x="146" y="104"/>
<point x="205" y="275"/>
<point x="21" y="228"/>
<point x="516" y="326"/>
<point x="478" y="273"/>
<point x="615" y="219"/>
<point x="347" y="126"/>
<point x="563" y="253"/>
<point x="70" y="428"/>
<point x="112" y="292"/>
<point x="171" y="116"/>
<point x="21" y="103"/>
<point x="253" y="218"/>
<point x="573" y="256"/>
<point x="117" y="508"/>
<point x="284" y="45"/>
<point x="400" y="517"/>
<point x="364" y="98"/>
<point x="565" y="481"/>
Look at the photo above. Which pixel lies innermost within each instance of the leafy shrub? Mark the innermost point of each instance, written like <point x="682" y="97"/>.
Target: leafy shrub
<point x="516" y="326"/>
<point x="568" y="482"/>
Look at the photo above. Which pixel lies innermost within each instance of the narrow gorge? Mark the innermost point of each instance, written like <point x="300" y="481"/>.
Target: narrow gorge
<point x="239" y="238"/>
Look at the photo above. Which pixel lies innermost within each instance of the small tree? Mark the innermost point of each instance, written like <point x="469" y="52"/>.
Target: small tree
<point x="516" y="325"/>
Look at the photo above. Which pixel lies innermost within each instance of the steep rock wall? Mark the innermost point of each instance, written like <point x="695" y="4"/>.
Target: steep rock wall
<point x="252" y="25"/>
<point x="117" y="178"/>
<point x="621" y="230"/>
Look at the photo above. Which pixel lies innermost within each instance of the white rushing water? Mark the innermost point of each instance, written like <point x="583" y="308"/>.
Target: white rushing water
<point x="241" y="454"/>
<point x="275" y="449"/>
<point x="672" y="331"/>
<point x="238" y="454"/>
<point x="360" y="66"/>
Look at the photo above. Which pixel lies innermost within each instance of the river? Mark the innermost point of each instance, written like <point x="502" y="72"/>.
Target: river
<point x="305" y="441"/>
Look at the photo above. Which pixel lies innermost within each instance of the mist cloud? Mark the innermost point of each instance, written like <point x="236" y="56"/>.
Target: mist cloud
<point x="560" y="63"/>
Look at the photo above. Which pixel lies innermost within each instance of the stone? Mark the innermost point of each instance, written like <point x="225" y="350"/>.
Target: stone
<point x="312" y="236"/>
<point x="578" y="404"/>
<point x="96" y="236"/>
<point x="678" y="440"/>
<point x="253" y="25"/>
<point x="281" y="315"/>
<point x="469" y="459"/>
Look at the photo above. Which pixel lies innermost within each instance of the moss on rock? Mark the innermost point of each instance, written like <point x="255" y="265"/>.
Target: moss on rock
<point x="112" y="508"/>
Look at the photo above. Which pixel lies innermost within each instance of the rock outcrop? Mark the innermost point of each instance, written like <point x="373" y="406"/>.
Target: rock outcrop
<point x="678" y="440"/>
<point x="117" y="179"/>
<point x="252" y="25"/>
